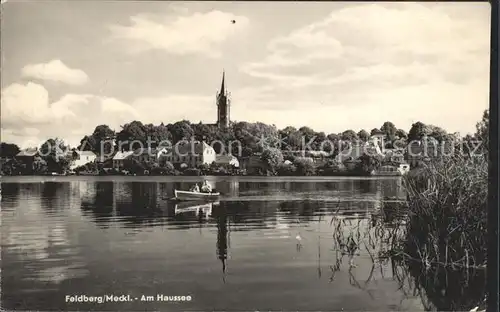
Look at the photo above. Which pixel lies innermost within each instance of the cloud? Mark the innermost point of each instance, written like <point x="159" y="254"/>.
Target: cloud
<point x="392" y="42"/>
<point x="427" y="61"/>
<point x="177" y="107"/>
<point x="28" y="116"/>
<point x="55" y="70"/>
<point x="182" y="34"/>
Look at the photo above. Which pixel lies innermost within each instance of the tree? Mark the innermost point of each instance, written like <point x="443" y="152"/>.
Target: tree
<point x="375" y="131"/>
<point x="367" y="164"/>
<point x="159" y="135"/>
<point x="305" y="166"/>
<point x="482" y="130"/>
<point x="273" y="158"/>
<point x="417" y="131"/>
<point x="389" y="129"/>
<point x="131" y="133"/>
<point x="349" y="135"/>
<point x="437" y="133"/>
<point x="306" y="135"/>
<point x="363" y="135"/>
<point x="102" y="135"/>
<point x="401" y="134"/>
<point x="54" y="153"/>
<point x="204" y="132"/>
<point x="39" y="166"/>
<point x="9" y="150"/>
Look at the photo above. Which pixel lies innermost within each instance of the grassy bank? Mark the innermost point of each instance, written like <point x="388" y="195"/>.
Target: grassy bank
<point x="446" y="229"/>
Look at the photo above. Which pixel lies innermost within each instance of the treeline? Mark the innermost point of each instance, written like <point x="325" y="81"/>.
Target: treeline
<point x="252" y="137"/>
<point x="48" y="159"/>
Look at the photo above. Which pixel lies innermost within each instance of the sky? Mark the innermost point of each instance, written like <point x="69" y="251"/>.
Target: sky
<point x="68" y="66"/>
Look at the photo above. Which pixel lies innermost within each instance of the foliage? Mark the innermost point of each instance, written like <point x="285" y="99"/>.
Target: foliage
<point x="9" y="150"/>
<point x="401" y="134"/>
<point x="305" y="166"/>
<point x="192" y="172"/>
<point x="332" y="168"/>
<point x="102" y="135"/>
<point x="482" y="130"/>
<point x="55" y="154"/>
<point x="287" y="170"/>
<point x="420" y="130"/>
<point x="349" y="135"/>
<point x="389" y="129"/>
<point x="448" y="207"/>
<point x="273" y="158"/>
<point x="375" y="131"/>
<point x="367" y="164"/>
<point x="363" y="135"/>
<point x="417" y="131"/>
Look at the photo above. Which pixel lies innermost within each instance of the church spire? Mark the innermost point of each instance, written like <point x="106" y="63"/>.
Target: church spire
<point x="222" y="89"/>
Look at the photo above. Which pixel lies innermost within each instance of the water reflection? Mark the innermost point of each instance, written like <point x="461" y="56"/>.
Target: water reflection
<point x="222" y="237"/>
<point x="54" y="236"/>
<point x="196" y="210"/>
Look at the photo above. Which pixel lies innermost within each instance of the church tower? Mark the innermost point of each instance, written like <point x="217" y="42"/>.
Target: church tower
<point x="223" y="106"/>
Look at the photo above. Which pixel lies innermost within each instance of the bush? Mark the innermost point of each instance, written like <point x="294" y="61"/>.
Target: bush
<point x="305" y="166"/>
<point x="287" y="170"/>
<point x="332" y="168"/>
<point x="192" y="172"/>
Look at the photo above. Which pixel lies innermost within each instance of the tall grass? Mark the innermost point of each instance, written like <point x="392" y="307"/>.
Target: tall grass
<point x="446" y="230"/>
<point x="447" y="203"/>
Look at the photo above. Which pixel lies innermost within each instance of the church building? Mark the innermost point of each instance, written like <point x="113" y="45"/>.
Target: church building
<point x="223" y="106"/>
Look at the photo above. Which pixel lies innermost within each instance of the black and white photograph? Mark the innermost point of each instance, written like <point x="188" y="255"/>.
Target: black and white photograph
<point x="245" y="156"/>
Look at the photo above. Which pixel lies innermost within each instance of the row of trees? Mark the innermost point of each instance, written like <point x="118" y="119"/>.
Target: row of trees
<point x="252" y="136"/>
<point x="276" y="164"/>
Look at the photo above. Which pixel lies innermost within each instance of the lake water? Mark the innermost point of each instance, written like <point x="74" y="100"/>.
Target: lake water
<point x="268" y="244"/>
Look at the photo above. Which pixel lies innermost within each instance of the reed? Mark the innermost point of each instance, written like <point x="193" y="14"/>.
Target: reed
<point x="447" y="212"/>
<point x="446" y="229"/>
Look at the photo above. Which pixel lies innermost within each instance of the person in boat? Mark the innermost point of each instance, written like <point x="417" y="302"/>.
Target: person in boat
<point x="195" y="188"/>
<point x="206" y="188"/>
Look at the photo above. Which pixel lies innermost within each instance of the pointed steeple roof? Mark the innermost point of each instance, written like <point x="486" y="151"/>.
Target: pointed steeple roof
<point x="222" y="87"/>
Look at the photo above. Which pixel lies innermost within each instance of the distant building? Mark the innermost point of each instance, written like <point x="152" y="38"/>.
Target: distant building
<point x="253" y="164"/>
<point x="149" y="154"/>
<point x="27" y="157"/>
<point x="229" y="160"/>
<point x="122" y="159"/>
<point x="192" y="154"/>
<point x="223" y="106"/>
<point x="81" y="158"/>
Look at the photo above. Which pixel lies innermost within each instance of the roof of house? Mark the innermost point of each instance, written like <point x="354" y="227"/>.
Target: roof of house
<point x="85" y="153"/>
<point x="225" y="158"/>
<point x="123" y="155"/>
<point x="318" y="153"/>
<point x="31" y="152"/>
<point x="190" y="148"/>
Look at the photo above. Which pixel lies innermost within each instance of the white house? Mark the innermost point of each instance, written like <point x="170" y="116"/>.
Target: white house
<point x="227" y="160"/>
<point x="149" y="154"/>
<point x="121" y="158"/>
<point x="191" y="154"/>
<point x="81" y="158"/>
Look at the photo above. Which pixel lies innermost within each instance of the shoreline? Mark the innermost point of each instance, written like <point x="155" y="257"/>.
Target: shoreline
<point x="111" y="178"/>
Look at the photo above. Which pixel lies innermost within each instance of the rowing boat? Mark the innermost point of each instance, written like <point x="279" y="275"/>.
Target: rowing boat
<point x="186" y="195"/>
